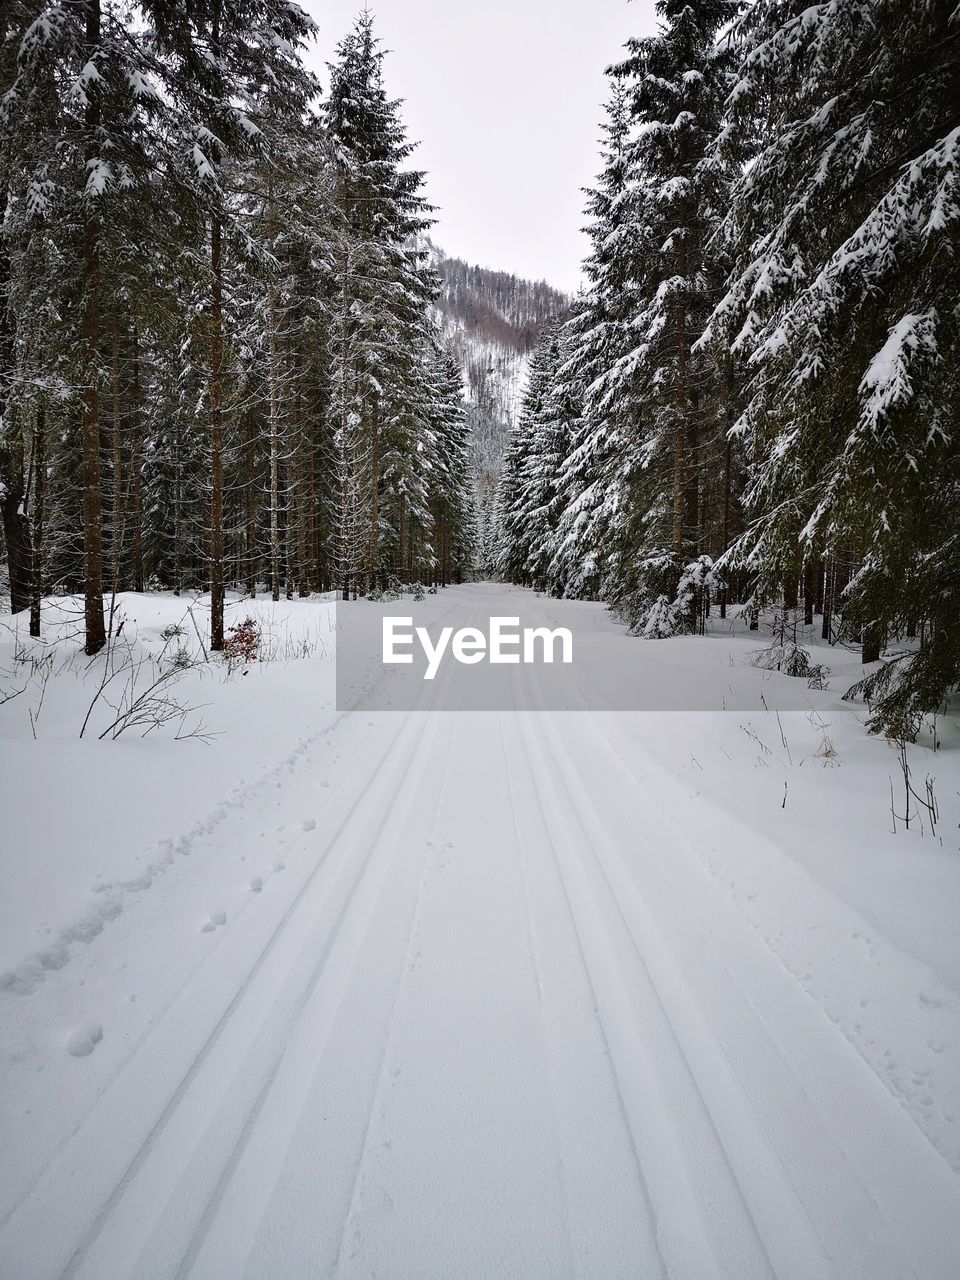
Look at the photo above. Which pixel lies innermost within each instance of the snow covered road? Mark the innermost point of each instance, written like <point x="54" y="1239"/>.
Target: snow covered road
<point x="503" y="996"/>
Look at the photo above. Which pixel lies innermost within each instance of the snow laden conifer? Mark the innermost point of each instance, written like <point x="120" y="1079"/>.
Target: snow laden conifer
<point x="844" y="303"/>
<point x="116" y="126"/>
<point x="529" y="487"/>
<point x="643" y="489"/>
<point x="451" y="483"/>
<point x="597" y="336"/>
<point x="673" y="455"/>
<point x="217" y="337"/>
<point x="285" y="199"/>
<point x="382" y="288"/>
<point x="86" y="129"/>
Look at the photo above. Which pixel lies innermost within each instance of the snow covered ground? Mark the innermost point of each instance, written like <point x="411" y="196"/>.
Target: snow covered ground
<point x="505" y="994"/>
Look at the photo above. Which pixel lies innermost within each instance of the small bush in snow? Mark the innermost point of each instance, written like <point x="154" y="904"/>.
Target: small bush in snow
<point x="182" y="659"/>
<point x="791" y="659"/>
<point x="670" y="598"/>
<point x="242" y="642"/>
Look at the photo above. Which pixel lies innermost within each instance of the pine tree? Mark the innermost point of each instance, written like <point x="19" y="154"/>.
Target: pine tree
<point x="665" y="383"/>
<point x="639" y="476"/>
<point x="844" y="304"/>
<point x="452" y="496"/>
<point x="529" y="486"/>
<point x="135" y="113"/>
<point x="592" y="476"/>
<point x="221" y="359"/>
<point x="382" y="293"/>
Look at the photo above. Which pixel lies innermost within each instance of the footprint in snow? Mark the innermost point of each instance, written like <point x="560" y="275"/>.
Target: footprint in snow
<point x="256" y="884"/>
<point x="279" y="865"/>
<point x="214" y="919"/>
<point x="82" y="1042"/>
<point x="308" y="824"/>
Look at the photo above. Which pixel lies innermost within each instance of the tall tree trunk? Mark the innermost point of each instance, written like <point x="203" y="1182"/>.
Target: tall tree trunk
<point x="304" y="490"/>
<point x="374" y="495"/>
<point x="289" y="517"/>
<point x="316" y="569"/>
<point x="829" y="583"/>
<point x="345" y="461"/>
<point x="118" y="504"/>
<point x="725" y="527"/>
<point x="136" y="446"/>
<point x="819" y="582"/>
<point x="726" y="532"/>
<point x="95" y="633"/>
<point x="682" y="425"/>
<point x="39" y="485"/>
<point x="680" y="442"/>
<point x="790" y="588"/>
<point x="16" y="528"/>
<point x="693" y="514"/>
<point x="177" y="509"/>
<point x="273" y="398"/>
<point x="843" y="571"/>
<point x="250" y="511"/>
<point x="216" y="438"/>
<point x="216" y="402"/>
<point x="401" y="549"/>
<point x="871" y="643"/>
<point x="274" y="452"/>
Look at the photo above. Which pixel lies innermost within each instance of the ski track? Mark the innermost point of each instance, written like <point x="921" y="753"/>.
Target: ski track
<point x="212" y="959"/>
<point x="507" y="1016"/>
<point x="918" y="1065"/>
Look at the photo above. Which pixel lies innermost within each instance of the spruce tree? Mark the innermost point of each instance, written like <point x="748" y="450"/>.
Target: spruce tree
<point x="844" y="303"/>
<point x="383" y="288"/>
<point x="677" y="82"/>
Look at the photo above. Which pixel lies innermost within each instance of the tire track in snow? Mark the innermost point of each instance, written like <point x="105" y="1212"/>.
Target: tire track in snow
<point x="843" y="1190"/>
<point x="114" y="896"/>
<point x="620" y="1215"/>
<point x="359" y="933"/>
<point x="681" y="1227"/>
<point x="920" y="1079"/>
<point x="90" y="1204"/>
<point x="700" y="1185"/>
<point x="193" y="1195"/>
<point x="351" y="1215"/>
<point x="922" y="1063"/>
<point x="34" y="968"/>
<point x="212" y="959"/>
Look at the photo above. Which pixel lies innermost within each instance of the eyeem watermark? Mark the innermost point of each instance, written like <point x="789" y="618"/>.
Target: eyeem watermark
<point x="485" y="647"/>
<point x="506" y="643"/>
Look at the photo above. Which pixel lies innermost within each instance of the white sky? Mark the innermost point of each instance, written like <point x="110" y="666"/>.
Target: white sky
<point x="505" y="98"/>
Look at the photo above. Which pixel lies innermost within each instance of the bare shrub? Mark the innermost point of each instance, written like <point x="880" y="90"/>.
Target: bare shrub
<point x="242" y="642"/>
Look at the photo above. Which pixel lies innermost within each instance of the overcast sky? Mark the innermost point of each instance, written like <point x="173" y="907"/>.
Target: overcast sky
<point x="505" y="98"/>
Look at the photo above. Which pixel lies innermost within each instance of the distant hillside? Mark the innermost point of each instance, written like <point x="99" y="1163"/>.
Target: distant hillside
<point x="491" y="322"/>
<point x="497" y="305"/>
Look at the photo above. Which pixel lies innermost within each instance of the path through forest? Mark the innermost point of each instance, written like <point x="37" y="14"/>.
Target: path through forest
<point x="509" y="1000"/>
